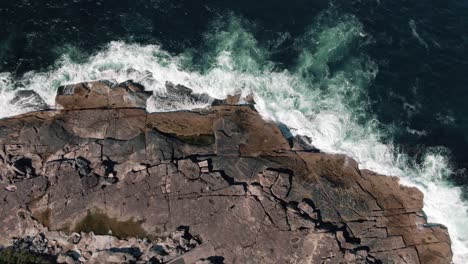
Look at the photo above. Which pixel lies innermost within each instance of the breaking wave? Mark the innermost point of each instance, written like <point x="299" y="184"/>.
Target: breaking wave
<point x="322" y="96"/>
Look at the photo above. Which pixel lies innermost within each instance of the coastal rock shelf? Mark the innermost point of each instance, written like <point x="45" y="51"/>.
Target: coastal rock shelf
<point x="101" y="180"/>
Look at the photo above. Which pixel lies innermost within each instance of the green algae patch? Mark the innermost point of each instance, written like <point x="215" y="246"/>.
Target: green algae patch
<point x="40" y="211"/>
<point x="16" y="256"/>
<point x="101" y="224"/>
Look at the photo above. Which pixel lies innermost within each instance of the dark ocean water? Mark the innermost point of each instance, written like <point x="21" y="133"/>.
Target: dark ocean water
<point x="409" y="58"/>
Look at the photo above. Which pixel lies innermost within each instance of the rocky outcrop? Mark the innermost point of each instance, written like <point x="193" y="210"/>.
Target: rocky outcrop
<point x="103" y="180"/>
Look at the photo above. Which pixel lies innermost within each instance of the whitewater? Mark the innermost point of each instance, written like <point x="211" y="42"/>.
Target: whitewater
<point x="323" y="96"/>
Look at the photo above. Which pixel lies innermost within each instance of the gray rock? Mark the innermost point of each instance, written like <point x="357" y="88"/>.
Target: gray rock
<point x="29" y="100"/>
<point x="179" y="97"/>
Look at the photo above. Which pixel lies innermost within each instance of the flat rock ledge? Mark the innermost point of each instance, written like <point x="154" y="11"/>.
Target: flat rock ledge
<point x="102" y="180"/>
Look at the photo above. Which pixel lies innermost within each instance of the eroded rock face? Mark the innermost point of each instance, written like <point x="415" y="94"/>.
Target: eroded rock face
<point x="217" y="185"/>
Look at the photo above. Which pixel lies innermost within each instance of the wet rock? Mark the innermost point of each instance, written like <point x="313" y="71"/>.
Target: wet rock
<point x="111" y="257"/>
<point x="102" y="94"/>
<point x="29" y="100"/>
<point x="179" y="97"/>
<point x="63" y="258"/>
<point x="24" y="168"/>
<point x="235" y="99"/>
<point x="303" y="143"/>
<point x="83" y="166"/>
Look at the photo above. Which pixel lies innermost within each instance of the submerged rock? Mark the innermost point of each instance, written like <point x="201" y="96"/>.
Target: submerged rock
<point x="215" y="185"/>
<point x="28" y="100"/>
<point x="179" y="97"/>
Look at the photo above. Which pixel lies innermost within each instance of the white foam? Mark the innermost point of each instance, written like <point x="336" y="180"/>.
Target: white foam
<point x="331" y="117"/>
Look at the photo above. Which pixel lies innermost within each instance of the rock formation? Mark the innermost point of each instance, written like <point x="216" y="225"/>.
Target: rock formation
<point x="102" y="180"/>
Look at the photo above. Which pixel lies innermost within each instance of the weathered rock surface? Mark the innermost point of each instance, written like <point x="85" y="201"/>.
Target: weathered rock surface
<point x="105" y="181"/>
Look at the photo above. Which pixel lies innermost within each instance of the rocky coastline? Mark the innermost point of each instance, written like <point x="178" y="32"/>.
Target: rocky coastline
<point x="99" y="179"/>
